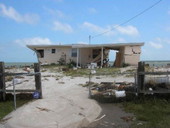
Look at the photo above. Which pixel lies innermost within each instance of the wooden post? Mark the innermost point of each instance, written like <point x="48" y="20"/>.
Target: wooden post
<point x="101" y="57"/>
<point x="38" y="78"/>
<point x="2" y="82"/>
<point x="140" y="78"/>
<point x="77" y="64"/>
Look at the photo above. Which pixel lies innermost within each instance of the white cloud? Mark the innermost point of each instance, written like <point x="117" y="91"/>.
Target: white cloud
<point x="59" y="13"/>
<point x="33" y="41"/>
<point x="58" y="26"/>
<point x="92" y="10"/>
<point x="82" y="42"/>
<point x="156" y="45"/>
<point x="169" y="12"/>
<point x="126" y="30"/>
<point x="97" y="29"/>
<point x="120" y="40"/>
<point x="163" y="40"/>
<point x="159" y="42"/>
<point x="167" y="41"/>
<point x="55" y="13"/>
<point x="11" y="13"/>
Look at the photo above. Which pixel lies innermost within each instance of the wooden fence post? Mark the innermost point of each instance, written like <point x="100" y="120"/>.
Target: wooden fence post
<point x="140" y="78"/>
<point x="2" y="82"/>
<point x="38" y="78"/>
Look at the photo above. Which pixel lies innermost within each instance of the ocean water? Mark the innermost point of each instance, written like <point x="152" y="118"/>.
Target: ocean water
<point x="18" y="64"/>
<point x="158" y="63"/>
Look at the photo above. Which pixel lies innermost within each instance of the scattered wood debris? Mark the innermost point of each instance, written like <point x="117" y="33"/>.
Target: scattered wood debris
<point x="5" y="119"/>
<point x="110" y="89"/>
<point x="46" y="79"/>
<point x="127" y="118"/>
<point x="99" y="118"/>
<point x="61" y="82"/>
<point x="20" y="77"/>
<point x="43" y="109"/>
<point x="98" y="77"/>
<point x="49" y="76"/>
<point x="81" y="114"/>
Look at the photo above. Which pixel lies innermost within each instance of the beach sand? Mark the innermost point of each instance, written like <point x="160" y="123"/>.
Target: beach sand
<point x="65" y="103"/>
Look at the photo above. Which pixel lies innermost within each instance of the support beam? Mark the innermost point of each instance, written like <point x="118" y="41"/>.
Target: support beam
<point x="2" y="82"/>
<point x="77" y="64"/>
<point x="38" y="79"/>
<point x="80" y="58"/>
<point x="101" y="57"/>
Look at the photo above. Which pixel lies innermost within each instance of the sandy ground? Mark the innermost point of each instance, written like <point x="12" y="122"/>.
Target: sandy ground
<point x="65" y="103"/>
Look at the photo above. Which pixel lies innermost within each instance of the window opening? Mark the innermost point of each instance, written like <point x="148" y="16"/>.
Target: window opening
<point x="74" y="52"/>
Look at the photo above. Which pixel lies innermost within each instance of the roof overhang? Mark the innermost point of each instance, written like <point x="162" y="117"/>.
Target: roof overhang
<point x="33" y="47"/>
<point x="114" y="46"/>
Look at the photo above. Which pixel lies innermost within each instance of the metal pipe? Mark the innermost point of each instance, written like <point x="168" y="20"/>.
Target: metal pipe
<point x="14" y="93"/>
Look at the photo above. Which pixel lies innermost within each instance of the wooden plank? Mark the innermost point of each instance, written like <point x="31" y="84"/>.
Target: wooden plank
<point x="38" y="78"/>
<point x="21" y="90"/>
<point x="155" y="91"/>
<point x="2" y="82"/>
<point x="18" y="74"/>
<point x="154" y="73"/>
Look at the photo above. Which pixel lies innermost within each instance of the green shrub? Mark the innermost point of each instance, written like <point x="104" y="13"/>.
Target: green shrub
<point x="71" y="64"/>
<point x="61" y="61"/>
<point x="125" y="65"/>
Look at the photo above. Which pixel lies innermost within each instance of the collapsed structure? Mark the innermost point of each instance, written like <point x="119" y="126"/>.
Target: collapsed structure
<point x="83" y="54"/>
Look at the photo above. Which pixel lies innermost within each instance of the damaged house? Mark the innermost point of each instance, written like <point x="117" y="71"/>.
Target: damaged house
<point x="83" y="54"/>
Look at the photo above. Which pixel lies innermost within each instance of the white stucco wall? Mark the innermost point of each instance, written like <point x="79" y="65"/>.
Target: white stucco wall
<point x="128" y="54"/>
<point x="85" y="56"/>
<point x="50" y="57"/>
<point x="132" y="55"/>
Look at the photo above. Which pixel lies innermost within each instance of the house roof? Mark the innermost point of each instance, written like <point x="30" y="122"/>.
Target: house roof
<point x="107" y="45"/>
<point x="114" y="45"/>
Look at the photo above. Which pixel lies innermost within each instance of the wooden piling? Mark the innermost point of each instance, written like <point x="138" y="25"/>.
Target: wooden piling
<point x="140" y="77"/>
<point x="38" y="78"/>
<point x="2" y="82"/>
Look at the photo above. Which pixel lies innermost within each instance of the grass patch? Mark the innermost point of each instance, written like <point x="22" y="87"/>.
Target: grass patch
<point x="86" y="72"/>
<point x="53" y="68"/>
<point x="152" y="112"/>
<point x="8" y="106"/>
<point x="78" y="72"/>
<point x="129" y="75"/>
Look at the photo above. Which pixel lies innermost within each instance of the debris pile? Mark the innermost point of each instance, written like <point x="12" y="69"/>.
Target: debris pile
<point x="157" y="83"/>
<point x="111" y="89"/>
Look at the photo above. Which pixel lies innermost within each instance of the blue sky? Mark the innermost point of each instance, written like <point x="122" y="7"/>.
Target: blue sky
<point x="72" y="21"/>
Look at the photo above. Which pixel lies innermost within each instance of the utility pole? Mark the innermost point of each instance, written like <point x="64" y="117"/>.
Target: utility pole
<point x="89" y="39"/>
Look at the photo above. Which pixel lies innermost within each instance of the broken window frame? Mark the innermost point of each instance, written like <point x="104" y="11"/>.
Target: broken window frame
<point x="40" y="53"/>
<point x="53" y="51"/>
